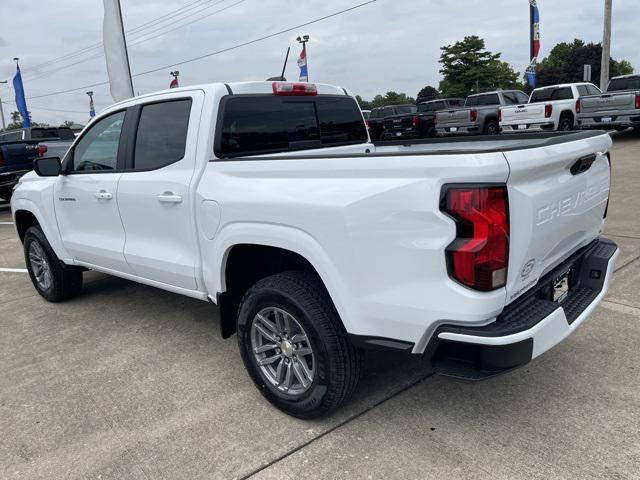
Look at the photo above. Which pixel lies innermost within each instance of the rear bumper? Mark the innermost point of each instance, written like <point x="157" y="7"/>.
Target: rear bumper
<point x="613" y="120"/>
<point x="531" y="325"/>
<point x="461" y="130"/>
<point x="530" y="127"/>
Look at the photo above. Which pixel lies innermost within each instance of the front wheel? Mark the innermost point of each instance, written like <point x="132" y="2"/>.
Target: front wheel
<point x="294" y="345"/>
<point x="53" y="280"/>
<point x="6" y="192"/>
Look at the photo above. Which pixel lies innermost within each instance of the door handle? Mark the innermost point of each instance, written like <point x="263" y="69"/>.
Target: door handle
<point x="169" y="197"/>
<point x="103" y="195"/>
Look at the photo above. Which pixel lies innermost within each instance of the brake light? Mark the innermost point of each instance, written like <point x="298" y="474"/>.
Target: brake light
<point x="1" y="159"/>
<point x="479" y="256"/>
<point x="42" y="149"/>
<point x="291" y="89"/>
<point x="499" y="115"/>
<point x="638" y="101"/>
<point x="578" y="106"/>
<point x="548" y="110"/>
<point x="473" y="115"/>
<point x="414" y="120"/>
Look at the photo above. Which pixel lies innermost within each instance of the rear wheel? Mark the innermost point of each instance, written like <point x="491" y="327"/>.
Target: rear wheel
<point x="565" y="124"/>
<point x="294" y="346"/>
<point x="491" y="128"/>
<point x="54" y="280"/>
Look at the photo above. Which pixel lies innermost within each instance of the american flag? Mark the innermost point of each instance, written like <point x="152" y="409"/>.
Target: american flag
<point x="535" y="43"/>
<point x="302" y="63"/>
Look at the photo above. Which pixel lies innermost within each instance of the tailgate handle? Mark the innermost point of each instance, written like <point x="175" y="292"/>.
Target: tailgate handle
<point x="583" y="164"/>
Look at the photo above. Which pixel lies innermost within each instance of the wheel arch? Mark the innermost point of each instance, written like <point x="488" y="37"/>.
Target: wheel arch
<point x="269" y="249"/>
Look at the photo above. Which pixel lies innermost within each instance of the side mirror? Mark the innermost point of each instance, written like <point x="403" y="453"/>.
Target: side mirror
<point x="47" y="166"/>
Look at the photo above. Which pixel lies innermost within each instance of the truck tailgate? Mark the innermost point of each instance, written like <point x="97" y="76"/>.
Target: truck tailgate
<point x="554" y="209"/>
<point x="608" y="101"/>
<point x="523" y="114"/>
<point x="446" y="118"/>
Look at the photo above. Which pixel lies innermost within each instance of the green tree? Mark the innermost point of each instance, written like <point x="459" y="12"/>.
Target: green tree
<point x="468" y="67"/>
<point x="428" y="93"/>
<point x="389" y="98"/>
<point x="565" y="63"/>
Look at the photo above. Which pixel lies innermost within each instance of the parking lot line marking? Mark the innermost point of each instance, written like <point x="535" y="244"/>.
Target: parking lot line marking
<point x="6" y="223"/>
<point x="14" y="270"/>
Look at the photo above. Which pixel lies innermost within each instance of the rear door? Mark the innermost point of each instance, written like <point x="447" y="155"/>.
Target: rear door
<point x="155" y="193"/>
<point x="554" y="211"/>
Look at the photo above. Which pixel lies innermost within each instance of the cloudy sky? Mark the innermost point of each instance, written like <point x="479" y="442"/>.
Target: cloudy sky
<point x="385" y="45"/>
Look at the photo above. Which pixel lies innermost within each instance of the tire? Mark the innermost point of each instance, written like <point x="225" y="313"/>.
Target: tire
<point x="53" y="280"/>
<point x="6" y="192"/>
<point x="334" y="363"/>
<point x="431" y="132"/>
<point x="490" y="128"/>
<point x="565" y="124"/>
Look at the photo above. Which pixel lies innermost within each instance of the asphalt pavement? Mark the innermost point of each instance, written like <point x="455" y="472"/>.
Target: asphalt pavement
<point x="131" y="382"/>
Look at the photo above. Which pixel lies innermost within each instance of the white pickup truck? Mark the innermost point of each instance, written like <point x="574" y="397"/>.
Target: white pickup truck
<point x="269" y="200"/>
<point x="549" y="108"/>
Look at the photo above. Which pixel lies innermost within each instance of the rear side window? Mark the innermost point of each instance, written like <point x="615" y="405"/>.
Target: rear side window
<point x="472" y="102"/>
<point x="162" y="134"/>
<point x="619" y="84"/>
<point x="593" y="90"/>
<point x="269" y="124"/>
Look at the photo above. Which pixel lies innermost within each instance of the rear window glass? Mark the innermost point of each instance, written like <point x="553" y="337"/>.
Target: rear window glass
<point x="618" y="84"/>
<point x="402" y="109"/>
<point x="458" y="102"/>
<point x="548" y="94"/>
<point x="515" y="98"/>
<point x="491" y="99"/>
<point x="53" y="133"/>
<point x="268" y="124"/>
<point x="471" y="102"/>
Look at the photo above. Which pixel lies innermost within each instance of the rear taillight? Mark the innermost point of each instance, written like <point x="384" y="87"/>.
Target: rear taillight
<point x="42" y="149"/>
<point x="292" y="89"/>
<point x="548" y="110"/>
<point x="479" y="256"/>
<point x="1" y="159"/>
<point x="415" y="120"/>
<point x="500" y="115"/>
<point x="473" y="115"/>
<point x="578" y="106"/>
<point x="638" y="102"/>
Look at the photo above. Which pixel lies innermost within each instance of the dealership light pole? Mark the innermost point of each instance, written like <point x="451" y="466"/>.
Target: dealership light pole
<point x="1" y="110"/>
<point x="606" y="45"/>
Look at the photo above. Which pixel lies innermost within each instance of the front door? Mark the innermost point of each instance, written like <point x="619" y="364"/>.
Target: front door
<point x="154" y="194"/>
<point x="85" y="197"/>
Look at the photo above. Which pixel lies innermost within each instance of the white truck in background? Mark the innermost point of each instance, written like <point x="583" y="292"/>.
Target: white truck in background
<point x="269" y="200"/>
<point x="549" y="108"/>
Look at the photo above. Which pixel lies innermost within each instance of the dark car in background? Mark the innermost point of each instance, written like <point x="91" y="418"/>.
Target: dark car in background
<point x="419" y="124"/>
<point x="380" y="114"/>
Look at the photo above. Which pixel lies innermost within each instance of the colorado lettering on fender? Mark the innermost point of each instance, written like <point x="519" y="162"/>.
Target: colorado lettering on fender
<point x="568" y="204"/>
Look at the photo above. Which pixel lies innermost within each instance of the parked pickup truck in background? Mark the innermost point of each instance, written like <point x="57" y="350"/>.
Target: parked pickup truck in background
<point x="618" y="108"/>
<point x="16" y="159"/>
<point x="549" y="108"/>
<point x="422" y="123"/>
<point x="480" y="113"/>
<point x="269" y="200"/>
<point x="380" y="114"/>
<point x="57" y="140"/>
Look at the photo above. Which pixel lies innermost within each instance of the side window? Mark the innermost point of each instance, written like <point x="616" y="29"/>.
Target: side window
<point x="98" y="148"/>
<point x="162" y="134"/>
<point x="582" y="90"/>
<point x="593" y="90"/>
<point x="472" y="102"/>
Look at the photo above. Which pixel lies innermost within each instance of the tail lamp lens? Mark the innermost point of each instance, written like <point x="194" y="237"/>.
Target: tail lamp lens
<point x="548" y="109"/>
<point x="473" y="115"/>
<point x="638" y="102"/>
<point x="414" y="120"/>
<point x="479" y="256"/>
<point x="42" y="149"/>
<point x="578" y="106"/>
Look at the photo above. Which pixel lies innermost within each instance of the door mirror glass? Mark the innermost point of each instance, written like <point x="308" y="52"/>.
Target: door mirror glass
<point x="47" y="166"/>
